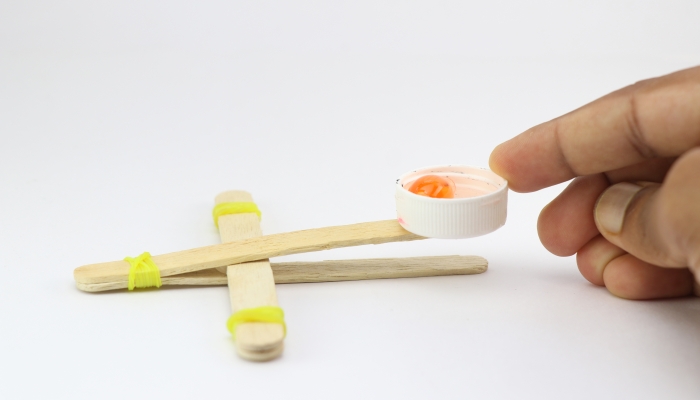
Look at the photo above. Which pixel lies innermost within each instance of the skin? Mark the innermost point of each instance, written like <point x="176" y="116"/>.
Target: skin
<point x="647" y="133"/>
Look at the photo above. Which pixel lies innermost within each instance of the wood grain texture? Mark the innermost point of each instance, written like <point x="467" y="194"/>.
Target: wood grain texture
<point x="250" y="285"/>
<point x="378" y="268"/>
<point x="259" y="248"/>
<point x="330" y="271"/>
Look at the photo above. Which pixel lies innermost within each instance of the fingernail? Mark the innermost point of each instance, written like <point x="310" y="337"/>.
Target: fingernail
<point x="612" y="206"/>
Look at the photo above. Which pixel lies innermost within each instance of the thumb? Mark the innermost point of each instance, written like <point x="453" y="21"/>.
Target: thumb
<point x="659" y="224"/>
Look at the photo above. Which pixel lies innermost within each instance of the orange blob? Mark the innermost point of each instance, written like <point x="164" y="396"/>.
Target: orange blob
<point x="433" y="186"/>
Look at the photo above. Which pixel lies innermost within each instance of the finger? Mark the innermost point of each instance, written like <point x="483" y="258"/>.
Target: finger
<point x="567" y="222"/>
<point x="659" y="224"/>
<point x="631" y="278"/>
<point x="594" y="256"/>
<point x="653" y="170"/>
<point x="651" y="119"/>
<point x="604" y="264"/>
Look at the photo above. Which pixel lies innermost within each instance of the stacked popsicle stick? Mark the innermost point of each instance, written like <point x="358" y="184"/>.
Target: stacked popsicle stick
<point x="241" y="261"/>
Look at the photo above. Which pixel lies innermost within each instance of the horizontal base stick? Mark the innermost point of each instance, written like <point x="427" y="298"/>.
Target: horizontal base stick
<point x="330" y="271"/>
<point x="258" y="248"/>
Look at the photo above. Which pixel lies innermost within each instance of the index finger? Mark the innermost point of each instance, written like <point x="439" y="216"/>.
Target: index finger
<point x="655" y="118"/>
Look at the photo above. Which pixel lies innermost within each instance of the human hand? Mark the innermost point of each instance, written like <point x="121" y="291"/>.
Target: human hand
<point x="632" y="212"/>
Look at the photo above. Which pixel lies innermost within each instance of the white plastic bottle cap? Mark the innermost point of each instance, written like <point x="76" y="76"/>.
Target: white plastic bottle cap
<point x="478" y="208"/>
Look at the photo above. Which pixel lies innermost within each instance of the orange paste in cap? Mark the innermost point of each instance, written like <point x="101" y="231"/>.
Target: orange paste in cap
<point x="433" y="186"/>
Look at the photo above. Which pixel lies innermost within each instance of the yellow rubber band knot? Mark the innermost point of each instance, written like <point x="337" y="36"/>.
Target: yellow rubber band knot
<point x="238" y="207"/>
<point x="271" y="314"/>
<point x="143" y="272"/>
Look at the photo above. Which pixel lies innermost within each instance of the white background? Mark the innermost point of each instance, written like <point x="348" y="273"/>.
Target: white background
<point x="120" y="121"/>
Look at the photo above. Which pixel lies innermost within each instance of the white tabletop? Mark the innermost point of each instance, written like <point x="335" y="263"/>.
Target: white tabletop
<point x="120" y="123"/>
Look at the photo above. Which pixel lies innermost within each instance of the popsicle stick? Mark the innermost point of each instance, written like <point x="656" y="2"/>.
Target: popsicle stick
<point x="330" y="271"/>
<point x="378" y="268"/>
<point x="250" y="284"/>
<point x="259" y="248"/>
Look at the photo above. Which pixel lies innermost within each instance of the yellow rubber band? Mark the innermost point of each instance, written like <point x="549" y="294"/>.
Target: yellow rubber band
<point x="239" y="207"/>
<point x="271" y="314"/>
<point x="143" y="272"/>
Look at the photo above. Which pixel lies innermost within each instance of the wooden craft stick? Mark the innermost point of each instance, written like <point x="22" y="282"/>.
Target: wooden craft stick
<point x="330" y="271"/>
<point x="259" y="248"/>
<point x="250" y="284"/>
